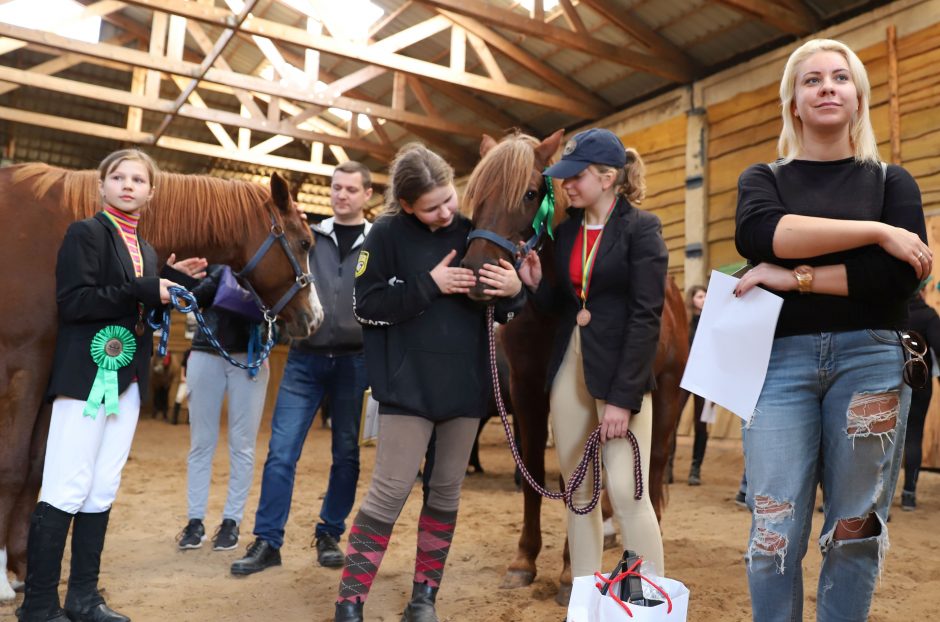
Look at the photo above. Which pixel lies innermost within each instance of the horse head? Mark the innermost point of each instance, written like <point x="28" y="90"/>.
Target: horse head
<point x="277" y="266"/>
<point x="505" y="192"/>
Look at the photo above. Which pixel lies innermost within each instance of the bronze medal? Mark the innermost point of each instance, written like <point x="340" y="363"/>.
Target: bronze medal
<point x="583" y="318"/>
<point x="139" y="328"/>
<point x="113" y="347"/>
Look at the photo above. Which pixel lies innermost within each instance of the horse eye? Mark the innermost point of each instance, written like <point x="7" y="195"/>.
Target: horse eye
<point x="305" y="244"/>
<point x="531" y="195"/>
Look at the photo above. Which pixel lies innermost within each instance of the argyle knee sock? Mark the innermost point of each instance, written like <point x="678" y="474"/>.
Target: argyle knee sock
<point x="435" y="533"/>
<point x="368" y="541"/>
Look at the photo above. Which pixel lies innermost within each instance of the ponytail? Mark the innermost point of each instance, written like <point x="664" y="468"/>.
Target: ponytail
<point x="631" y="179"/>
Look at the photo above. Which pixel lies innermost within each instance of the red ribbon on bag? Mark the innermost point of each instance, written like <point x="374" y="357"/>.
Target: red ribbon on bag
<point x="631" y="571"/>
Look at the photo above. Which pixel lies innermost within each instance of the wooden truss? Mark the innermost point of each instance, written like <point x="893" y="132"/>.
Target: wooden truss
<point x="184" y="52"/>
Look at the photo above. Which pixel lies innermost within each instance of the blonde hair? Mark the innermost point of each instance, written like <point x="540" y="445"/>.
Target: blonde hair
<point x="631" y="179"/>
<point x="114" y="160"/>
<point x="861" y="133"/>
<point x="414" y="171"/>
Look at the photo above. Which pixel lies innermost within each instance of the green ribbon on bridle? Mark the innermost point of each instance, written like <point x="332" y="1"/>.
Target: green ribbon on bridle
<point x="546" y="213"/>
<point x="112" y="348"/>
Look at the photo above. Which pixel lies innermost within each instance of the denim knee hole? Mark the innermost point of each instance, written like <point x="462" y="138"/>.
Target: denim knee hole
<point x="872" y="414"/>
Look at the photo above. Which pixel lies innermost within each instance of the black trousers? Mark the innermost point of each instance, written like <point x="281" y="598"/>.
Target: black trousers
<point x="914" y="439"/>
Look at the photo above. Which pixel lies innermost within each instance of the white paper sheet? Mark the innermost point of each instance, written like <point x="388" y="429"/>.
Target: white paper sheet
<point x="731" y="351"/>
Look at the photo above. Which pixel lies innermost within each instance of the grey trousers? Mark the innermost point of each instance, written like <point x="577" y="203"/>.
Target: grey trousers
<point x="210" y="379"/>
<point x="403" y="441"/>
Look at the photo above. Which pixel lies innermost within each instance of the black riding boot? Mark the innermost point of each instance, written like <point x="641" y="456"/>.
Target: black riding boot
<point x="83" y="602"/>
<point x="48" y="529"/>
<point x="421" y="607"/>
<point x="348" y="611"/>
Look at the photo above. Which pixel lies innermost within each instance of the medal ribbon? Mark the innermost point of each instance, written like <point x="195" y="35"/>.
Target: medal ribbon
<point x="112" y="348"/>
<point x="546" y="213"/>
<point x="587" y="261"/>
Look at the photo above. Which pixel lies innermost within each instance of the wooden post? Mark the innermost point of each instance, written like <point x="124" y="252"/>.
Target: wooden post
<point x="894" y="103"/>
<point x="696" y="198"/>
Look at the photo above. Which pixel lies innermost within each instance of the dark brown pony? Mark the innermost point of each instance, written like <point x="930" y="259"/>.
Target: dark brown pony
<point x="224" y="221"/>
<point x="504" y="192"/>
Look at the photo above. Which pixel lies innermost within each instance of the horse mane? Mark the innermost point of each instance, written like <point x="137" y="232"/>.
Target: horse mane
<point x="503" y="171"/>
<point x="196" y="210"/>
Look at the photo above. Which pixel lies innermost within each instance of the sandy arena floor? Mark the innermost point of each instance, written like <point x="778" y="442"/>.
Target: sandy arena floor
<point x="146" y="576"/>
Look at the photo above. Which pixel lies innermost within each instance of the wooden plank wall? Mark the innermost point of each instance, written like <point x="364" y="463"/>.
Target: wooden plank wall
<point x="919" y="94"/>
<point x="662" y="147"/>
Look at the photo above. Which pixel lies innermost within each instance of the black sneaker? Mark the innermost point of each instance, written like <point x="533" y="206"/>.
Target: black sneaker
<point x="328" y="553"/>
<point x="260" y="555"/>
<point x="908" y="501"/>
<point x="192" y="536"/>
<point x="226" y="536"/>
<point x="740" y="500"/>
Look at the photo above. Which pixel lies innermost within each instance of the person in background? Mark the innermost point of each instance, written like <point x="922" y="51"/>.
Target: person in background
<point x="923" y="320"/>
<point x="328" y="364"/>
<point x="211" y="380"/>
<point x="695" y="300"/>
<point x="841" y="238"/>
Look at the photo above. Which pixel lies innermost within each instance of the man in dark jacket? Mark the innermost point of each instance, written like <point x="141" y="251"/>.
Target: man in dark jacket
<point x="328" y="364"/>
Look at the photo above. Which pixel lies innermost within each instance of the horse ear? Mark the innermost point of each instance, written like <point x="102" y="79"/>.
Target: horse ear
<point x="549" y="146"/>
<point x="280" y="193"/>
<point x="486" y="144"/>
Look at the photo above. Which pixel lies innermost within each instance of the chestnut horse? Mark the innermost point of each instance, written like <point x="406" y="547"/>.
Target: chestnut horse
<point x="224" y="221"/>
<point x="504" y="193"/>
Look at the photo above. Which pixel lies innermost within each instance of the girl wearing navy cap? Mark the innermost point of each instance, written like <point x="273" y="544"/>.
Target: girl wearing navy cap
<point x="609" y="309"/>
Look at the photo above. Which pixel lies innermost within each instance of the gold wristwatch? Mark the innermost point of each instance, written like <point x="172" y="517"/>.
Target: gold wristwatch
<point x="804" y="278"/>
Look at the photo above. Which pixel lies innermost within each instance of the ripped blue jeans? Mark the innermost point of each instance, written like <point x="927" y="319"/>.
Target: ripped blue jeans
<point x="833" y="410"/>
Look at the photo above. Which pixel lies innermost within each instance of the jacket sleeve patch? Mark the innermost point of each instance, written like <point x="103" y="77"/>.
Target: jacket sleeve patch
<point x="362" y="263"/>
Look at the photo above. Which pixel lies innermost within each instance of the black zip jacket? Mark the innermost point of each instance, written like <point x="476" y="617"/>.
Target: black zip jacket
<point x="426" y="353"/>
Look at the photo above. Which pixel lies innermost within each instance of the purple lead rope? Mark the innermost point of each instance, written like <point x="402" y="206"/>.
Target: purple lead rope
<point x="591" y="448"/>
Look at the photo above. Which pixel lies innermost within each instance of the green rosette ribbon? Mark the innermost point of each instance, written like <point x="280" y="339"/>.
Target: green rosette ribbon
<point x="112" y="348"/>
<point x="546" y="212"/>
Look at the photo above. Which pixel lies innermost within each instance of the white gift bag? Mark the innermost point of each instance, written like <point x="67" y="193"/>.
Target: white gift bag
<point x="587" y="604"/>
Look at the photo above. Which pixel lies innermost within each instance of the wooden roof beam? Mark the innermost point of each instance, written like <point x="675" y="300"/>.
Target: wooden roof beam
<point x="211" y="57"/>
<point x="565" y="84"/>
<point x="505" y="18"/>
<point x="189" y="111"/>
<point x="98" y="9"/>
<point x="228" y="78"/>
<point x="459" y="158"/>
<point x="653" y="41"/>
<point x="367" y="54"/>
<point x="784" y="19"/>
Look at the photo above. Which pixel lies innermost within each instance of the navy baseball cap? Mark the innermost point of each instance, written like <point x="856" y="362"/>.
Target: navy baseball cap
<point x="594" y="146"/>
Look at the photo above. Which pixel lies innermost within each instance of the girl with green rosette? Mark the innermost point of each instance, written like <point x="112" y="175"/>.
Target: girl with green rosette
<point x="106" y="279"/>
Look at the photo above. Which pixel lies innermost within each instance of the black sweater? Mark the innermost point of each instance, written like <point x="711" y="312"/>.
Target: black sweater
<point x="879" y="285"/>
<point x="426" y="353"/>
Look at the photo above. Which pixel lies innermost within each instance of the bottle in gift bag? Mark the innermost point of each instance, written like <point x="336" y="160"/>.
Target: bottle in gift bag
<point x="630" y="589"/>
